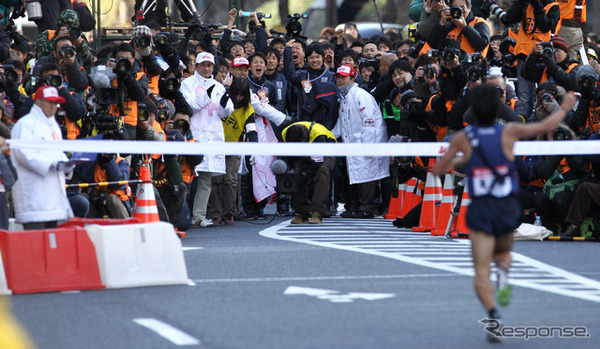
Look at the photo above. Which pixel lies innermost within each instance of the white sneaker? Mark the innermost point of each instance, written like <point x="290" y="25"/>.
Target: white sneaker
<point x="203" y="223"/>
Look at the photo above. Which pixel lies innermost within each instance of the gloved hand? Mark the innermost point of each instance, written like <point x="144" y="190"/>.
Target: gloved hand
<point x="144" y="51"/>
<point x="551" y="106"/>
<point x="62" y="166"/>
<point x="252" y="160"/>
<point x="210" y="90"/>
<point x="396" y="138"/>
<point x="224" y="99"/>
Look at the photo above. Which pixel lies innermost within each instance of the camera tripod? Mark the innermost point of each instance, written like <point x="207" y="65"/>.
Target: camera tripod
<point x="187" y="9"/>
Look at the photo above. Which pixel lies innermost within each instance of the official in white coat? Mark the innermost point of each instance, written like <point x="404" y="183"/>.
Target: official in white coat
<point x="360" y="121"/>
<point x="39" y="194"/>
<point x="210" y="102"/>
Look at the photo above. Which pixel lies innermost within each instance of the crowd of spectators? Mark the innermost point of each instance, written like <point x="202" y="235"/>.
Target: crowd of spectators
<point x="259" y="85"/>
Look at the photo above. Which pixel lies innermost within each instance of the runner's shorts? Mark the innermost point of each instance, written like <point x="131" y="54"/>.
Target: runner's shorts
<point x="494" y="216"/>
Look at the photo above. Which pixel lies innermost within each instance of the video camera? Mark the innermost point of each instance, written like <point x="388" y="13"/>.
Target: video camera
<point x="368" y="62"/>
<point x="200" y="32"/>
<point x="293" y="26"/>
<point x="259" y="15"/>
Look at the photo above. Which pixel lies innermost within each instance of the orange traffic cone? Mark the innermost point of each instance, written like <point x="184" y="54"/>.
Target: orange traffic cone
<point x="461" y="222"/>
<point x="429" y="210"/>
<point x="145" y="202"/>
<point x="411" y="196"/>
<point x="395" y="208"/>
<point x="448" y="199"/>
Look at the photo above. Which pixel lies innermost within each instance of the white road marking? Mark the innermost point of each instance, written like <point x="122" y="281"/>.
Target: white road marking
<point x="334" y="296"/>
<point x="167" y="331"/>
<point x="316" y="278"/>
<point x="380" y="239"/>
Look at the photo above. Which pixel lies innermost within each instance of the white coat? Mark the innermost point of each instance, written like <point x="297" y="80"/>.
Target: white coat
<point x="39" y="195"/>
<point x="205" y="123"/>
<point x="360" y="121"/>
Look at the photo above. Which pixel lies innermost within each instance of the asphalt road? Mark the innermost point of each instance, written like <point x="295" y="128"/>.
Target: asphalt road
<point x="343" y="284"/>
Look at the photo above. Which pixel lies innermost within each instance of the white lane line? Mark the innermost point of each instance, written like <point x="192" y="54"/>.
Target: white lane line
<point x="313" y="278"/>
<point x="167" y="331"/>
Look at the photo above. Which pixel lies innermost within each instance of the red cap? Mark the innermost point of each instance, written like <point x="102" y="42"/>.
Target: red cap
<point x="346" y="70"/>
<point x="240" y="61"/>
<point x="49" y="93"/>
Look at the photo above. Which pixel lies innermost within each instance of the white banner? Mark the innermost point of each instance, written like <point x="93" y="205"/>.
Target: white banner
<point x="296" y="149"/>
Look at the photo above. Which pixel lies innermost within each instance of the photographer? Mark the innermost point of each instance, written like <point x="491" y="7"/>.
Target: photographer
<point x="425" y="81"/>
<point x="539" y="19"/>
<point x="74" y="108"/>
<point x="132" y="84"/>
<point x="586" y="119"/>
<point x="142" y="42"/>
<point x="65" y="55"/>
<point x="452" y="77"/>
<point x="68" y="26"/>
<point x="112" y="201"/>
<point x="550" y="60"/>
<point x="313" y="170"/>
<point x="458" y="23"/>
<point x="547" y="101"/>
<point x="427" y="119"/>
<point x="505" y="112"/>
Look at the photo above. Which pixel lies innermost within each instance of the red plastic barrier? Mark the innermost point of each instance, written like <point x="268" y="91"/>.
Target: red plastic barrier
<point x="81" y="222"/>
<point x="49" y="260"/>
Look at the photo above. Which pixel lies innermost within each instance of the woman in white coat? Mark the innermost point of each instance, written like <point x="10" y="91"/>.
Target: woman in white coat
<point x="39" y="194"/>
<point x="360" y="121"/>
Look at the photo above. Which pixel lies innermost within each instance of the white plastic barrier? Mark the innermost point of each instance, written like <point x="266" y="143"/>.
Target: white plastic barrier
<point x="4" y="290"/>
<point x="14" y="226"/>
<point x="134" y="255"/>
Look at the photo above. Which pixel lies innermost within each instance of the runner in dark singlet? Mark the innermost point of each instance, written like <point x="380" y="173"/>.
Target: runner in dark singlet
<point x="494" y="212"/>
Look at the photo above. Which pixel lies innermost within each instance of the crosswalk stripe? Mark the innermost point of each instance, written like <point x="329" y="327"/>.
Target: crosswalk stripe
<point x="379" y="237"/>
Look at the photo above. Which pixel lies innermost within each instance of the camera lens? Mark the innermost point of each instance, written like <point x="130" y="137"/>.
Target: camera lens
<point x="456" y="12"/>
<point x="68" y="52"/>
<point x="143" y="115"/>
<point x="11" y="76"/>
<point x="143" y="41"/>
<point x="172" y="85"/>
<point x="585" y="83"/>
<point x="55" y="80"/>
<point x="449" y="56"/>
<point x="123" y="65"/>
<point x="162" y="115"/>
<point x="474" y="76"/>
<point x="546" y="98"/>
<point x="162" y="39"/>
